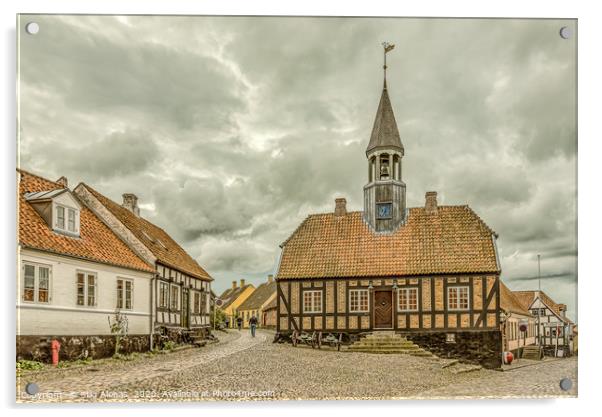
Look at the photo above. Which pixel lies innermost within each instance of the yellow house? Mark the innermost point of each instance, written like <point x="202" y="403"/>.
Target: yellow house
<point x="233" y="297"/>
<point x="257" y="302"/>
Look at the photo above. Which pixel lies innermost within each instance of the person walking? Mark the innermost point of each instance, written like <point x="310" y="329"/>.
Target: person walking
<point x="253" y="324"/>
<point x="239" y="323"/>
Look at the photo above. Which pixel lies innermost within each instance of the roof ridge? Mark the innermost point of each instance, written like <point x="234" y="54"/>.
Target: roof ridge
<point x="23" y="171"/>
<point x="442" y="206"/>
<point x="177" y="249"/>
<point x="119" y="205"/>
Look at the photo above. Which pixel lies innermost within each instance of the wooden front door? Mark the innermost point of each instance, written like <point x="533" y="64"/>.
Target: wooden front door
<point x="383" y="309"/>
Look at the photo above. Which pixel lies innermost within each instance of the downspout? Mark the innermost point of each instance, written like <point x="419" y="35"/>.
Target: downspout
<point x="152" y="317"/>
<point x="497" y="256"/>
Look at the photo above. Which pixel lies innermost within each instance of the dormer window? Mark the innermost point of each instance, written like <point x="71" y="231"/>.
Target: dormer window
<point x="67" y="219"/>
<point x="58" y="208"/>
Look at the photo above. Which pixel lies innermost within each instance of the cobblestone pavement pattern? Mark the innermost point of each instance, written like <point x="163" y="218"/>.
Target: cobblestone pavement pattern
<point x="240" y="367"/>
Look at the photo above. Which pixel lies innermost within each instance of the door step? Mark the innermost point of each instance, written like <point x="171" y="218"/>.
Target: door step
<point x="532" y="352"/>
<point x="388" y="342"/>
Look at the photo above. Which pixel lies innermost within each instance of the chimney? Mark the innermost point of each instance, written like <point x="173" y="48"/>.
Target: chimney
<point x="233" y="285"/>
<point x="63" y="182"/>
<point x="270" y="278"/>
<point x="562" y="309"/>
<point x="242" y="282"/>
<point x="430" y="206"/>
<point x="130" y="202"/>
<point x="340" y="207"/>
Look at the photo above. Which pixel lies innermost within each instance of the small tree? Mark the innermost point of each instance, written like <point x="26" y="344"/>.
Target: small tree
<point x="119" y="328"/>
<point x="220" y="317"/>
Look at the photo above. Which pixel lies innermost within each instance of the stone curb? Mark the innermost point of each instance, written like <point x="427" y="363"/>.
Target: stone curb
<point x="530" y="364"/>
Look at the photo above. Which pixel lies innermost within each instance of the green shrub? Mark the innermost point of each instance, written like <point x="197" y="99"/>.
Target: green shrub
<point x="29" y="365"/>
<point x="169" y="345"/>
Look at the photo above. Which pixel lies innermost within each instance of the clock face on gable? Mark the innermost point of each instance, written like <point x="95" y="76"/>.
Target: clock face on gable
<point x="383" y="210"/>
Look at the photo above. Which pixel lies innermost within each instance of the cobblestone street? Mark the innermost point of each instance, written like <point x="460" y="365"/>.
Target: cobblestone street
<point x="242" y="368"/>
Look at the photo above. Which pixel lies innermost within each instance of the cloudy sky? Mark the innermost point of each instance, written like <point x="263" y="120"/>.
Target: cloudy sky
<point x="232" y="130"/>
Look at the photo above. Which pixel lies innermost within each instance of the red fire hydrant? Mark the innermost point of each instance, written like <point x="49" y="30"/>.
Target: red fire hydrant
<point x="55" y="347"/>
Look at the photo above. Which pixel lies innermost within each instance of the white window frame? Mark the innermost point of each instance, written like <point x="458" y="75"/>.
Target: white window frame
<point x="63" y="209"/>
<point x="66" y="211"/>
<point x="457" y="307"/>
<point x="406" y="291"/>
<point x="125" y="281"/>
<point x="171" y="298"/>
<point x="315" y="307"/>
<point x="86" y="274"/>
<point x="36" y="282"/>
<point x="359" y="293"/>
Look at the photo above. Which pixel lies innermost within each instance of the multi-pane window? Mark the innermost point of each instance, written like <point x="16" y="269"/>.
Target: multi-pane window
<point x="36" y="283"/>
<point x="196" y="303"/>
<point x="60" y="217"/>
<point x="312" y="301"/>
<point x="408" y="299"/>
<point x="125" y="289"/>
<point x="358" y="301"/>
<point x="86" y="289"/>
<point x="174" y="296"/>
<point x="71" y="220"/>
<point x="163" y="294"/>
<point x="457" y="298"/>
<point x="66" y="219"/>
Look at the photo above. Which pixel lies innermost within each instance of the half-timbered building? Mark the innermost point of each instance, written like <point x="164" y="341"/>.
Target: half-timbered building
<point x="431" y="272"/>
<point x="181" y="288"/>
<point x="554" y="329"/>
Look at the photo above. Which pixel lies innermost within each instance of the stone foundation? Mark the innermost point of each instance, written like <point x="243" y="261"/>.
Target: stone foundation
<point x="78" y="347"/>
<point x="478" y="347"/>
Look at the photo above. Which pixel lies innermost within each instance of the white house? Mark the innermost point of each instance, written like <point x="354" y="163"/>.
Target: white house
<point x="74" y="276"/>
<point x="555" y="329"/>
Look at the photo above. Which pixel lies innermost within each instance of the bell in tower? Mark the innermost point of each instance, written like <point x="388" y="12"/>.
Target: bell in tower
<point x="385" y="193"/>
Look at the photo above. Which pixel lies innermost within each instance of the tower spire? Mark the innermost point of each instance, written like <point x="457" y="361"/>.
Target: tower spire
<point x="384" y="132"/>
<point x="387" y="47"/>
<point x="385" y="193"/>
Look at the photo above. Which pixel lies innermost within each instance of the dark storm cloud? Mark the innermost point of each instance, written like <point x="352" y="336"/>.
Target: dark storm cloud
<point x="116" y="155"/>
<point x="232" y="130"/>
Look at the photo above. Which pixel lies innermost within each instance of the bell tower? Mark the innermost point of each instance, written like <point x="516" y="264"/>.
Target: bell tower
<point x="385" y="192"/>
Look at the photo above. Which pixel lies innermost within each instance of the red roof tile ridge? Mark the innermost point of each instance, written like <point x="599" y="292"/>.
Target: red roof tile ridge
<point x="54" y="183"/>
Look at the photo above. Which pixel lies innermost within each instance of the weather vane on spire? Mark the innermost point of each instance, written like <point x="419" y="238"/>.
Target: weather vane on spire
<point x="388" y="48"/>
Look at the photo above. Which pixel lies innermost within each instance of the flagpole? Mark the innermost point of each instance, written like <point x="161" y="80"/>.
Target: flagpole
<point x="539" y="295"/>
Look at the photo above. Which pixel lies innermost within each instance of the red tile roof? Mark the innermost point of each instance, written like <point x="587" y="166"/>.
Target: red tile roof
<point x="526" y="298"/>
<point x="97" y="243"/>
<point x="167" y="251"/>
<point x="510" y="302"/>
<point x="454" y="240"/>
